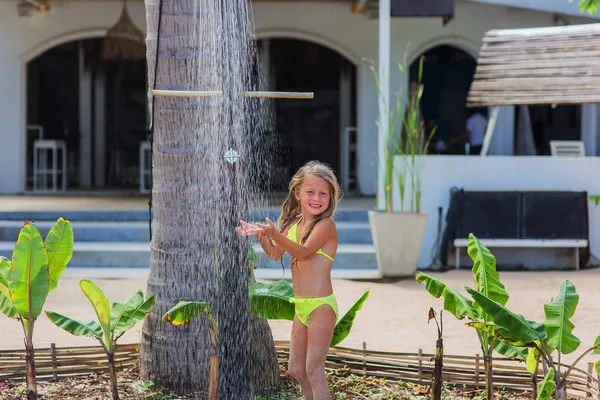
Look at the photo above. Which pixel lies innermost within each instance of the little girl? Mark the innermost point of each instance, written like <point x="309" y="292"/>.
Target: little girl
<point x="307" y="232"/>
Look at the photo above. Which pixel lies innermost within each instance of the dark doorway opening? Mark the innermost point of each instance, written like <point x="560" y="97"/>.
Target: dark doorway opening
<point x="447" y="76"/>
<point x="77" y="97"/>
<point x="549" y="123"/>
<point x="311" y="129"/>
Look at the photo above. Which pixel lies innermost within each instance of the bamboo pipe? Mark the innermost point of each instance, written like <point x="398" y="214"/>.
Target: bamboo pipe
<point x="215" y="93"/>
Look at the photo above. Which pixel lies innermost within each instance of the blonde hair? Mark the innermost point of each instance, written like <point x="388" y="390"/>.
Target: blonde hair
<point x="290" y="209"/>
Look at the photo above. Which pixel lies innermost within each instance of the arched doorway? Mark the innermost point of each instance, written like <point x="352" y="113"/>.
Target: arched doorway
<point x="447" y="76"/>
<point x="97" y="107"/>
<point x="312" y="129"/>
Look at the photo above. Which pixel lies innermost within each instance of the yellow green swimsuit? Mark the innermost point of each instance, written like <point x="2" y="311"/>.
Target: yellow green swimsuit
<point x="305" y="307"/>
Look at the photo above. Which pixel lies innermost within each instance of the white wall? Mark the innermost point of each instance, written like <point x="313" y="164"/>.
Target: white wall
<point x="441" y="173"/>
<point x="330" y="24"/>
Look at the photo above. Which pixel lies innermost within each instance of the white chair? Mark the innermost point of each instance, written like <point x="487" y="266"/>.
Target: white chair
<point x="567" y="148"/>
<point x="41" y="150"/>
<point x="145" y="173"/>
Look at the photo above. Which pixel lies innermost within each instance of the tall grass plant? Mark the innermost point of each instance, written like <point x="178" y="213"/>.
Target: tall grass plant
<point x="405" y="136"/>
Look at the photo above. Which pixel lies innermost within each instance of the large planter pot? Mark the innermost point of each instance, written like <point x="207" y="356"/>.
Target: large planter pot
<point x="397" y="238"/>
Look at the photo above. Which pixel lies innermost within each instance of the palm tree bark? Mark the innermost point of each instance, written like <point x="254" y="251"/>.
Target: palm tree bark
<point x="198" y="199"/>
<point x="263" y="381"/>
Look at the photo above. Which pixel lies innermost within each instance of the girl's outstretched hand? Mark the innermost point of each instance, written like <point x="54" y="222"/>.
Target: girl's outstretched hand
<point x="267" y="229"/>
<point x="247" y="229"/>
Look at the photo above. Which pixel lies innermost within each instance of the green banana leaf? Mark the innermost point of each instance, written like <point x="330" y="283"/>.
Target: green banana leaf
<point x="59" y="246"/>
<point x="5" y="267"/>
<point x="342" y="328"/>
<point x="252" y="256"/>
<point x="101" y="306"/>
<point x="487" y="327"/>
<point x="28" y="280"/>
<point x="557" y="322"/>
<point x="597" y="346"/>
<point x="533" y="360"/>
<point x="185" y="311"/>
<point x="454" y="302"/>
<point x="546" y="386"/>
<point x="75" y="327"/>
<point x="6" y="306"/>
<point x="125" y="314"/>
<point x="510" y="348"/>
<point x="511" y="351"/>
<point x="119" y="306"/>
<point x="4" y="286"/>
<point x="598" y="367"/>
<point x="485" y="273"/>
<point x="509" y="324"/>
<point x="272" y="301"/>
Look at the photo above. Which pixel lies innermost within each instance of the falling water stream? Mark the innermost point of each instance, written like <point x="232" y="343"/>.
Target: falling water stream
<point x="198" y="196"/>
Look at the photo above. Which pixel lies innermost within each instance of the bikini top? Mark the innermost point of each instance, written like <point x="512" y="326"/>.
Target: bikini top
<point x="294" y="237"/>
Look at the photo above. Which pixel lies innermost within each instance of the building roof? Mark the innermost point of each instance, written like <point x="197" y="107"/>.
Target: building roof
<point x="562" y="7"/>
<point x="552" y="65"/>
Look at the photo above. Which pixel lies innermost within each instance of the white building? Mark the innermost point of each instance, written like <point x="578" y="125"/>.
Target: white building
<point x="50" y="76"/>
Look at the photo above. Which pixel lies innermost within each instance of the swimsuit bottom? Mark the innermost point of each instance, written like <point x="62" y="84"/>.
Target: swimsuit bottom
<point x="305" y="307"/>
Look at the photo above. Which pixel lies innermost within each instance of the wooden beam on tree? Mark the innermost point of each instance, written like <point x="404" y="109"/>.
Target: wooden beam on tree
<point x="216" y="93"/>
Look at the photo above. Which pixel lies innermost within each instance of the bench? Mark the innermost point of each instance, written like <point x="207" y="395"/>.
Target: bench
<point x="575" y="244"/>
<point x="518" y="219"/>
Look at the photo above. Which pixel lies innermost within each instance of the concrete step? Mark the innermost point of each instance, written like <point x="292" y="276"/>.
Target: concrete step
<point x="86" y="231"/>
<point x="259" y="273"/>
<point x="138" y="231"/>
<point x="137" y="255"/>
<point x="345" y="215"/>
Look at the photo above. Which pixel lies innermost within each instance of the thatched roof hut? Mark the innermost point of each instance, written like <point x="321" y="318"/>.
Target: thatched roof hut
<point x="550" y="65"/>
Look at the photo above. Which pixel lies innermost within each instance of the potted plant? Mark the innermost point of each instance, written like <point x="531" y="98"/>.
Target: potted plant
<point x="398" y="233"/>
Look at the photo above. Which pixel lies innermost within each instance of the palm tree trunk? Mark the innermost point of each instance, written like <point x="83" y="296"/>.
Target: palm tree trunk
<point x="198" y="199"/>
<point x="263" y="381"/>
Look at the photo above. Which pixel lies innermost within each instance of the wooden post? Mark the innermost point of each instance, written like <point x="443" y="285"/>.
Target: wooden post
<point x="219" y="93"/>
<point x="477" y="368"/>
<point x="598" y="382"/>
<point x="54" y="371"/>
<point x="364" y="358"/>
<point x="588" y="385"/>
<point x="421" y="366"/>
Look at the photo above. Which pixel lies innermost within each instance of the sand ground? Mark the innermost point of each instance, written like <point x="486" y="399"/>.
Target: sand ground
<point x="394" y="318"/>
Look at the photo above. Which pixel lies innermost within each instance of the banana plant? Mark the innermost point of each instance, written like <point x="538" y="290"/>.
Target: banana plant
<point x="543" y="339"/>
<point x="272" y="301"/>
<point x="487" y="281"/>
<point x="182" y="314"/>
<point x="112" y="322"/>
<point x="26" y="281"/>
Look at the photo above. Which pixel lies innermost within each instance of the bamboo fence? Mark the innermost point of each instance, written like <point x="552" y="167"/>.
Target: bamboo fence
<point x="458" y="370"/>
<point x="55" y="363"/>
